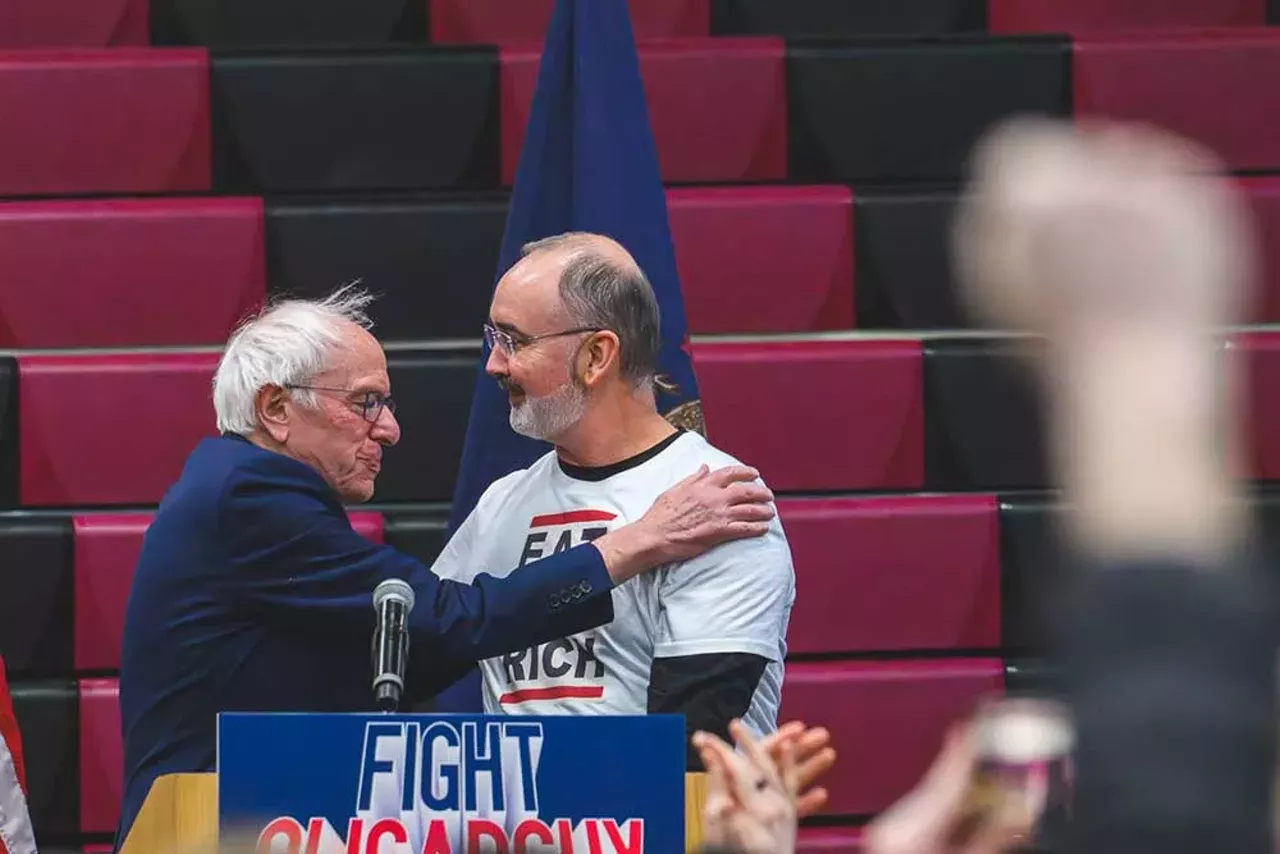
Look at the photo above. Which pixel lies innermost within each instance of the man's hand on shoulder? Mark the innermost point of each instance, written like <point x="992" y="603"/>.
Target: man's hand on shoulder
<point x="702" y="511"/>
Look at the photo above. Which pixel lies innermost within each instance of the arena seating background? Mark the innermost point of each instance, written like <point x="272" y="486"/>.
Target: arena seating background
<point x="168" y="165"/>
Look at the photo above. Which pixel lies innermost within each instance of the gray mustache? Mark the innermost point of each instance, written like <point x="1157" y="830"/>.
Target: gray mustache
<point x="505" y="383"/>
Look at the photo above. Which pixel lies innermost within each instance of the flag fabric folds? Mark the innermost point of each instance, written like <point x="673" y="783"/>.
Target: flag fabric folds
<point x="588" y="163"/>
<point x="16" y="834"/>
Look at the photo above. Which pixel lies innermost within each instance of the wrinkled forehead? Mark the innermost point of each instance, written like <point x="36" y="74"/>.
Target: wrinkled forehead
<point x="357" y="363"/>
<point x="527" y="298"/>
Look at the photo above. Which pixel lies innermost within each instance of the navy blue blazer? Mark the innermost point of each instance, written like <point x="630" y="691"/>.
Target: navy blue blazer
<point x="253" y="593"/>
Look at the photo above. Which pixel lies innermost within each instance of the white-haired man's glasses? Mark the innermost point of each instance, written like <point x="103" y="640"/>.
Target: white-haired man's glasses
<point x="369" y="403"/>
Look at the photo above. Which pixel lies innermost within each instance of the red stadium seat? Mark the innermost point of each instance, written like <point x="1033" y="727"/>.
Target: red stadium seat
<point x="1264" y="194"/>
<point x="109" y="429"/>
<point x="126" y="120"/>
<point x="910" y="573"/>
<point x="847" y="840"/>
<point x="369" y="523"/>
<point x="1207" y="86"/>
<point x="887" y="719"/>
<point x="818" y="415"/>
<point x="718" y="107"/>
<point x="101" y="755"/>
<point x="493" y="21"/>
<point x="128" y="273"/>
<point x="106" y="552"/>
<point x="73" y="23"/>
<point x="1085" y="16"/>
<point x="764" y="259"/>
<point x="1261" y="351"/>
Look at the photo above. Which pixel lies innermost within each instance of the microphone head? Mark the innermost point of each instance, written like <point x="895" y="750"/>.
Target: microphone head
<point x="393" y="589"/>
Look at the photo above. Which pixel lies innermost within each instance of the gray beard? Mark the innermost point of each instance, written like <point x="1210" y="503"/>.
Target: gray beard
<point x="551" y="415"/>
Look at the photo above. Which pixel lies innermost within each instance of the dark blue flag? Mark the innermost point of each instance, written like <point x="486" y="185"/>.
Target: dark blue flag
<point x="588" y="164"/>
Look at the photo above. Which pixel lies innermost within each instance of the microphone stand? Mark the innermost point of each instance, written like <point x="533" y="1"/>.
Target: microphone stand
<point x="392" y="600"/>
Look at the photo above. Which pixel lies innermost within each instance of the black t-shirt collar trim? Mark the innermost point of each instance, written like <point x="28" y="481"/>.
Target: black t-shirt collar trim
<point x="597" y="473"/>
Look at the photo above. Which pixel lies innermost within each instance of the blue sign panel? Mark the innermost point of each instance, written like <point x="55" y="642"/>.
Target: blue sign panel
<point x="439" y="784"/>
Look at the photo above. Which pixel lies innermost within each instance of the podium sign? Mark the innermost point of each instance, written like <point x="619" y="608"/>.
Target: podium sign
<point x="439" y="784"/>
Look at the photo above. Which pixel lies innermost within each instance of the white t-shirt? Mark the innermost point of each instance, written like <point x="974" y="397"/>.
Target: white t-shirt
<point x="735" y="598"/>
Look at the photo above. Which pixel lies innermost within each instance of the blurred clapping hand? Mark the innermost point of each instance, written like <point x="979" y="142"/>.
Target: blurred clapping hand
<point x="813" y="755"/>
<point x="757" y="794"/>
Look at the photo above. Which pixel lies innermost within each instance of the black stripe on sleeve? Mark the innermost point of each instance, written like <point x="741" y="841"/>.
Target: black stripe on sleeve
<point x="709" y="690"/>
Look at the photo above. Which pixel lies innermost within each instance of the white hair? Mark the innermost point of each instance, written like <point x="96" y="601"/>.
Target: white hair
<point x="287" y="343"/>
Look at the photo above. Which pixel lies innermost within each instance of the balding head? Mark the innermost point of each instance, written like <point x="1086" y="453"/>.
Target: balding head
<point x="601" y="286"/>
<point x="573" y="243"/>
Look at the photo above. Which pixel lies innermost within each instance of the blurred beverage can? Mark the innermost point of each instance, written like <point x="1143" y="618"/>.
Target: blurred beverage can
<point x="1023" y="767"/>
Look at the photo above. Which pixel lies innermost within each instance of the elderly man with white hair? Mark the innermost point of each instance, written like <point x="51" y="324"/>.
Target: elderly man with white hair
<point x="253" y="592"/>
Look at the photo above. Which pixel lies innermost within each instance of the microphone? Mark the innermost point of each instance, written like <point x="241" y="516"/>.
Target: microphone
<point x="393" y="600"/>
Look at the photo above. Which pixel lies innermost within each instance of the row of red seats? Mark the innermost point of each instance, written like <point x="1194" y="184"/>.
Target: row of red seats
<point x="794" y="409"/>
<point x="76" y="23"/>
<point x="873" y="555"/>
<point x="138" y="120"/>
<point x="886" y="718"/>
<point x="181" y="272"/>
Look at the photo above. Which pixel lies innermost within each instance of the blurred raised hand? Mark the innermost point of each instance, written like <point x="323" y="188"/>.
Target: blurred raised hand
<point x="751" y="798"/>
<point x="1130" y="251"/>
<point x="814" y="757"/>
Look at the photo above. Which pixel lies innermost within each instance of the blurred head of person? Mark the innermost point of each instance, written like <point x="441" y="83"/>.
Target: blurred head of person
<point x="573" y="337"/>
<point x="305" y="378"/>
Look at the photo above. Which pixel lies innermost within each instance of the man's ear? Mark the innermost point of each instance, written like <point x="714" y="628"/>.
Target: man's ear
<point x="274" y="406"/>
<point x="599" y="356"/>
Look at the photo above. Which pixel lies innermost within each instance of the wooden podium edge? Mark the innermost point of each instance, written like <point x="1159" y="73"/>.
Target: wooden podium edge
<point x="180" y="815"/>
<point x="695" y="796"/>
